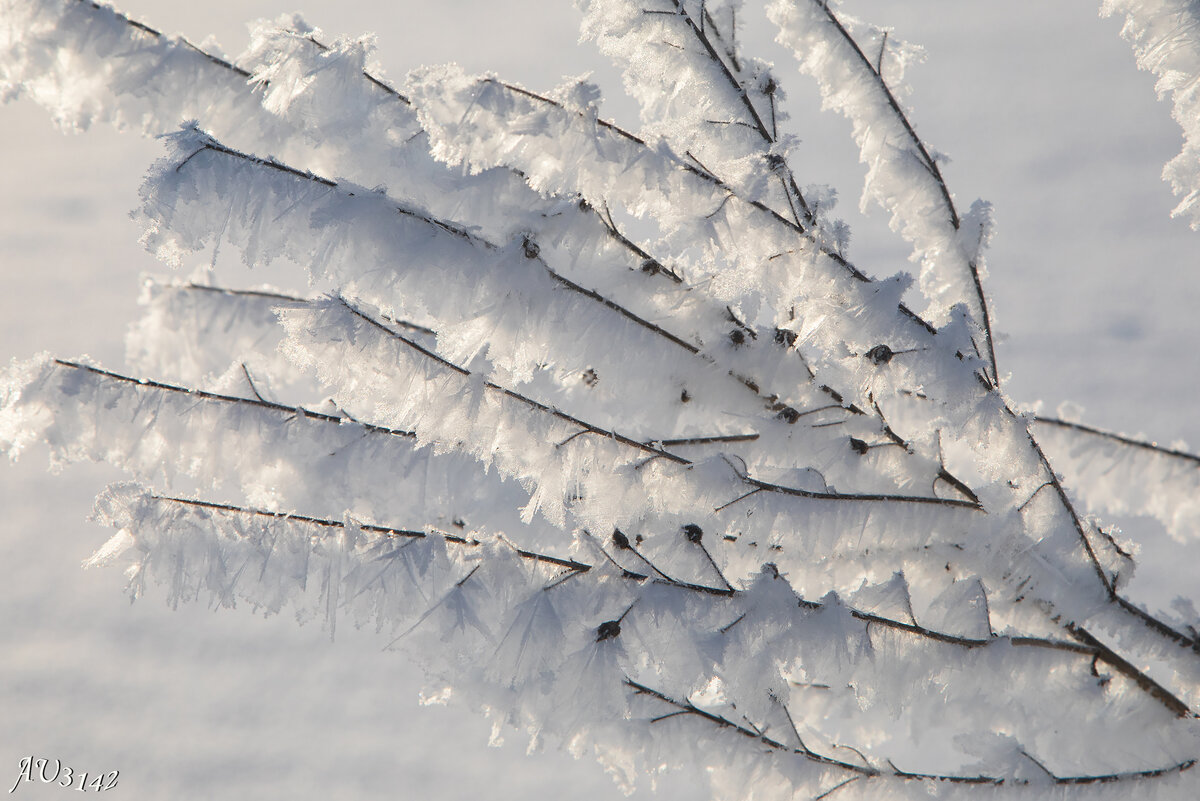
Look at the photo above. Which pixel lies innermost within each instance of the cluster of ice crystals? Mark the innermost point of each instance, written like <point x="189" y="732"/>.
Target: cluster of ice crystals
<point x="1165" y="35"/>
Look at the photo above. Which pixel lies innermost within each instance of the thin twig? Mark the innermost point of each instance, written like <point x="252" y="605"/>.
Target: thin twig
<point x="201" y="394"/>
<point x="1121" y="438"/>
<point x="463" y="234"/>
<point x="704" y="174"/>
<point x="930" y="165"/>
<point x="657" y="453"/>
<point x="1088" y="646"/>
<point x="896" y="774"/>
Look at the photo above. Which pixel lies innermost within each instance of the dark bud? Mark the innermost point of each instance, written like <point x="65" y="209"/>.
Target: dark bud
<point x="775" y="161"/>
<point x="788" y="415"/>
<point x="858" y="446"/>
<point x="772" y="568"/>
<point x="785" y="337"/>
<point x="770" y="88"/>
<point x="833" y="393"/>
<point x="880" y="354"/>
<point x="693" y="532"/>
<point x="737" y="337"/>
<point x="584" y="205"/>
<point x="620" y="541"/>
<point x="531" y="248"/>
<point x="590" y="377"/>
<point x="684" y="397"/>
<point x="459" y="522"/>
<point x="651" y="267"/>
<point x="607" y="630"/>
<point x="639" y="539"/>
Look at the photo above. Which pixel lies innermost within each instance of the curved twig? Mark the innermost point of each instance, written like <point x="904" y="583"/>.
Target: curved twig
<point x="867" y="773"/>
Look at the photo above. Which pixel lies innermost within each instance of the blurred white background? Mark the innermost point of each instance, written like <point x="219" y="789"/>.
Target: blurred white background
<point x="1039" y="106"/>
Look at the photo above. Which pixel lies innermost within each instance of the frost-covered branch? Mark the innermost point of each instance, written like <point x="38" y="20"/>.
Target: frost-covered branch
<point x="656" y="452"/>
<point x="358" y="558"/>
<point x="683" y="196"/>
<point x="688" y="708"/>
<point x="1116" y="474"/>
<point x="948" y="245"/>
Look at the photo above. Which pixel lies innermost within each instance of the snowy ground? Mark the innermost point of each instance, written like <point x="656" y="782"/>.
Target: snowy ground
<point x="1043" y="113"/>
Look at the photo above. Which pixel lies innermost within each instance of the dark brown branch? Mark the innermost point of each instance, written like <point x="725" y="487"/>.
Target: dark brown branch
<point x="666" y="443"/>
<point x="1117" y="662"/>
<point x="835" y="788"/>
<point x="374" y="80"/>
<point x="839" y="496"/>
<point x="621" y="543"/>
<point x="379" y="83"/>
<point x="1121" y="438"/>
<point x="713" y="562"/>
<point x="621" y="310"/>
<point x="649" y="265"/>
<point x="702" y="36"/>
<point x="943" y="473"/>
<point x="201" y="394"/>
<point x="527" y="401"/>
<point x="248" y="293"/>
<point x="707" y="175"/>
<point x="720" y="721"/>
<point x="299" y="301"/>
<point x="250" y="381"/>
<point x="582" y="567"/>
<point x="1157" y="625"/>
<point x="387" y="531"/>
<point x="146" y="29"/>
<point x="1149" y="621"/>
<point x="1061" y="492"/>
<point x="739" y="498"/>
<point x="954" y="481"/>
<point x="1122" y="666"/>
<point x="1031" y="498"/>
<point x="896" y="774"/>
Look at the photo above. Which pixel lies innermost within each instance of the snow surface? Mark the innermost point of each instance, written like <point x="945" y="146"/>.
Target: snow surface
<point x="1044" y="115"/>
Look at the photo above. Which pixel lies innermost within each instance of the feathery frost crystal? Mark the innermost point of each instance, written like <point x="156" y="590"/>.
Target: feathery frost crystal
<point x="605" y="426"/>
